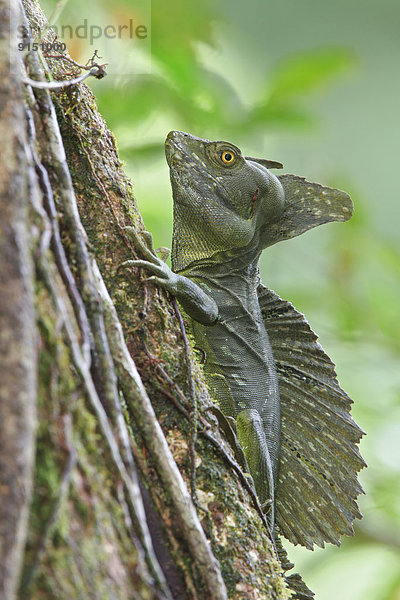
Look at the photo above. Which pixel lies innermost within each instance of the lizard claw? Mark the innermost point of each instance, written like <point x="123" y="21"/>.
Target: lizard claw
<point x="148" y="238"/>
<point x="144" y="242"/>
<point x="163" y="253"/>
<point x="266" y="506"/>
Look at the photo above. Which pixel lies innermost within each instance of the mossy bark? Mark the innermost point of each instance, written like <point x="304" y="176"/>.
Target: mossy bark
<point x="99" y="455"/>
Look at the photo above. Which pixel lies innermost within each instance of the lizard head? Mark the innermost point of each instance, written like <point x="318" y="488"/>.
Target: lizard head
<point x="227" y="202"/>
<point x="221" y="198"/>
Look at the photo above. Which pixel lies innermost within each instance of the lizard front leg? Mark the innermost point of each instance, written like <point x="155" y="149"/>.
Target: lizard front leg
<point x="196" y="303"/>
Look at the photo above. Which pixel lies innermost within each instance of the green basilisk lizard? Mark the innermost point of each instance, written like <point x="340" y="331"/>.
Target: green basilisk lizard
<point x="263" y="363"/>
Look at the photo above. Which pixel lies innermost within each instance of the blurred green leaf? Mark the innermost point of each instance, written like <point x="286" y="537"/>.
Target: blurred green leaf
<point x="281" y="115"/>
<point x="305" y="73"/>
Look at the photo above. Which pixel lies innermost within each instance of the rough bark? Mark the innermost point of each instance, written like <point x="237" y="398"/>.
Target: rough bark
<point x="111" y="515"/>
<point x="17" y="325"/>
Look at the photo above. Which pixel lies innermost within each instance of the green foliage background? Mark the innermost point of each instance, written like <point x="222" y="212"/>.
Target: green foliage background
<point x="316" y="86"/>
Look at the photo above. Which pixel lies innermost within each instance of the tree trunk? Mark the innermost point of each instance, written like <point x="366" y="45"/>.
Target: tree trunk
<point x="103" y="472"/>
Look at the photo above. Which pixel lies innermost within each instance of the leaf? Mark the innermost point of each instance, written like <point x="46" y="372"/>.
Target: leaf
<point x="305" y="73"/>
<point x="281" y="116"/>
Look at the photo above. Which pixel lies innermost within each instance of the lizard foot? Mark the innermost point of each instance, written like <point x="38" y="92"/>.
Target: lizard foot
<point x="194" y="300"/>
<point x="161" y="273"/>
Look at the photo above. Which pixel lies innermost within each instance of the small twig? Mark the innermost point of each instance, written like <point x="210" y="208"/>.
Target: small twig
<point x="68" y="60"/>
<point x="203" y="354"/>
<point x="90" y="64"/>
<point x="178" y="405"/>
<point x="183" y="402"/>
<point x="98" y="72"/>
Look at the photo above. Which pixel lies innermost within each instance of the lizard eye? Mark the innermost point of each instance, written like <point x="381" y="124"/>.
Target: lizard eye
<point x="228" y="157"/>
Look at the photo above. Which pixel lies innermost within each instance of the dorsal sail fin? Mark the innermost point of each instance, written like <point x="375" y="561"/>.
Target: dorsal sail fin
<point x="294" y="581"/>
<point x="317" y="487"/>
